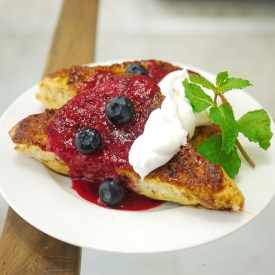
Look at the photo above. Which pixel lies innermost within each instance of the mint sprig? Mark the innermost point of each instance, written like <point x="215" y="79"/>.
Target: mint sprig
<point x="254" y="125"/>
<point x="197" y="79"/>
<point x="198" y="98"/>
<point x="233" y="83"/>
<point x="212" y="150"/>
<point x="223" y="116"/>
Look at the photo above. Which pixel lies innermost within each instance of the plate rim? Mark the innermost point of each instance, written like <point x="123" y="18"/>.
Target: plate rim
<point x="14" y="205"/>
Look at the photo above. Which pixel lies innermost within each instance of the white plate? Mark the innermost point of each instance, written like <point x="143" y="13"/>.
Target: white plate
<point x="46" y="199"/>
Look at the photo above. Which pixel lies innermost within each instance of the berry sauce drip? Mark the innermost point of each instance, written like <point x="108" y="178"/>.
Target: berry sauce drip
<point x="97" y="78"/>
<point x="154" y="70"/>
<point x="88" y="190"/>
<point x="88" y="110"/>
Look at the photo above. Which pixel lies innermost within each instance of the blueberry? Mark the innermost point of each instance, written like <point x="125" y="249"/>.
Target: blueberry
<point x="136" y="69"/>
<point x="120" y="110"/>
<point x="111" y="192"/>
<point x="87" y="140"/>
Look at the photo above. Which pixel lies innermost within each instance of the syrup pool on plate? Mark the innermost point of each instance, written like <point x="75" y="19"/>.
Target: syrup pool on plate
<point x="88" y="190"/>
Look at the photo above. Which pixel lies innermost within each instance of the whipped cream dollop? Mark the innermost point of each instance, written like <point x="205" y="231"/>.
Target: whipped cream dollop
<point x="167" y="128"/>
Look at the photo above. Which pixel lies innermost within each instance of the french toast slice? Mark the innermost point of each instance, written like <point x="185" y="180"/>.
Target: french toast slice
<point x="188" y="178"/>
<point x="58" y="87"/>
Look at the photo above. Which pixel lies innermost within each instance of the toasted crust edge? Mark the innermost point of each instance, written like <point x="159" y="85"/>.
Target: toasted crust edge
<point x="49" y="159"/>
<point x="150" y="187"/>
<point x="218" y="200"/>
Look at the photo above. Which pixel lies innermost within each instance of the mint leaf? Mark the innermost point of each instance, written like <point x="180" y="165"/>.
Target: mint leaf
<point x="197" y="79"/>
<point x="233" y="83"/>
<point x="199" y="100"/>
<point x="224" y="117"/>
<point x="255" y="125"/>
<point x="211" y="149"/>
<point x="221" y="77"/>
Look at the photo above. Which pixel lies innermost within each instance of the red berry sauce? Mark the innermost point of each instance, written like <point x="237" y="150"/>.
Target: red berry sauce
<point x="88" y="190"/>
<point x="97" y="78"/>
<point x="156" y="71"/>
<point x="88" y="110"/>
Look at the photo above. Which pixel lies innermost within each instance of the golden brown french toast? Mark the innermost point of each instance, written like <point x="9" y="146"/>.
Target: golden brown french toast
<point x="57" y="88"/>
<point x="188" y="178"/>
<point x="29" y="136"/>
